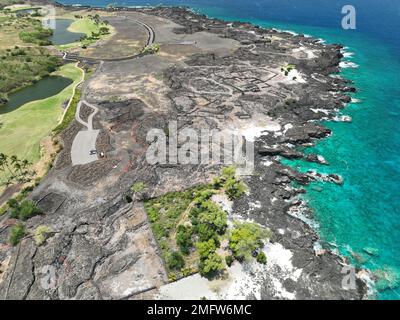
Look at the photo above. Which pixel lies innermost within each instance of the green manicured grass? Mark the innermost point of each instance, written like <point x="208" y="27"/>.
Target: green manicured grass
<point x="24" y="128"/>
<point x="84" y="25"/>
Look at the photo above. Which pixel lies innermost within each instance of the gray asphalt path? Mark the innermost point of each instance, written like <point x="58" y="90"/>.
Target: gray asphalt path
<point x="85" y="141"/>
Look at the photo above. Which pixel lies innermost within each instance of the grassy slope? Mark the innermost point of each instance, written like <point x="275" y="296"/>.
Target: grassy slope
<point x="24" y="128"/>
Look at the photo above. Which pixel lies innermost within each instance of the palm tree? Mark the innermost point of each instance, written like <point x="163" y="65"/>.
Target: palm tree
<point x="18" y="169"/>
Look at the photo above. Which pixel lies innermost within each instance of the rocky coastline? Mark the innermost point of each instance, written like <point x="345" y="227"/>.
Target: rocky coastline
<point x="280" y="113"/>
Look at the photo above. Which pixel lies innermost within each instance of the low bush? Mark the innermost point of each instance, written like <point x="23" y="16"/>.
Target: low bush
<point x="17" y="233"/>
<point x="175" y="260"/>
<point x="261" y="258"/>
<point x="41" y="234"/>
<point x="211" y="265"/>
<point x="138" y="186"/>
<point x="246" y="238"/>
<point x="184" y="238"/>
<point x="229" y="260"/>
<point x="24" y="210"/>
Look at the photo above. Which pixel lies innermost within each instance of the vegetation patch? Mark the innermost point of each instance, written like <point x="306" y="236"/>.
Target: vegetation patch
<point x="138" y="186"/>
<point x="69" y="115"/>
<point x="151" y="49"/>
<point x="24" y="210"/>
<point x="20" y="67"/>
<point x="189" y="228"/>
<point x="38" y="35"/>
<point x="246" y="239"/>
<point x="17" y="233"/>
<point x="41" y="234"/>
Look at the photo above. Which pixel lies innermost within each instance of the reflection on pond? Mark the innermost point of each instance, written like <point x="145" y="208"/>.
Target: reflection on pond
<point x="61" y="35"/>
<point x="42" y="89"/>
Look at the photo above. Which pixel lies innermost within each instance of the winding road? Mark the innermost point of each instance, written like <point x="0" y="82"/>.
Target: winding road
<point x="150" y="40"/>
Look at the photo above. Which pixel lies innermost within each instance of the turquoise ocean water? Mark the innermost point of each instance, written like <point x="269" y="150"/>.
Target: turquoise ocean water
<point x="361" y="218"/>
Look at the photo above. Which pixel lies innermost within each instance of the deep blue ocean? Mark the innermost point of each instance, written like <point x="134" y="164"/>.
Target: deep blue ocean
<point x="360" y="219"/>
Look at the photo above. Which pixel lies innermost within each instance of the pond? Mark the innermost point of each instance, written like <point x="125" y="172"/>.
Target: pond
<point x="61" y="35"/>
<point x="42" y="89"/>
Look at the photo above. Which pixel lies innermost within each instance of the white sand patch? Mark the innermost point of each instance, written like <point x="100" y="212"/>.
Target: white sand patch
<point x="241" y="280"/>
<point x="287" y="127"/>
<point x="223" y="201"/>
<point x="237" y="284"/>
<point x="255" y="205"/>
<point x="251" y="133"/>
<point x="254" y="129"/>
<point x="266" y="163"/>
<point x="278" y="255"/>
<point x="294" y="76"/>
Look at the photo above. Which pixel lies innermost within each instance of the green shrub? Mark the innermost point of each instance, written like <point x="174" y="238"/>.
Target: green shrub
<point x="24" y="210"/>
<point x="175" y="261"/>
<point x="245" y="238"/>
<point x="3" y="210"/>
<point x="229" y="260"/>
<point x="37" y="36"/>
<point x="17" y="233"/>
<point x="211" y="265"/>
<point x="12" y="203"/>
<point x="41" y="234"/>
<point x="210" y="261"/>
<point x="186" y="271"/>
<point x="184" y="238"/>
<point x="205" y="248"/>
<point x="171" y="277"/>
<point x="205" y="232"/>
<point x="233" y="188"/>
<point x="151" y="49"/>
<point x="261" y="258"/>
<point x="138" y="186"/>
<point x="213" y="216"/>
